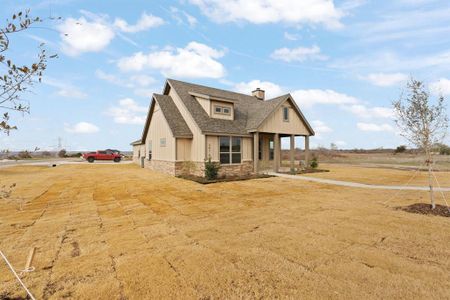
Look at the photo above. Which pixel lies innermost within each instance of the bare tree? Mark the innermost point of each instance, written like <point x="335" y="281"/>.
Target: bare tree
<point x="16" y="79"/>
<point x="422" y="123"/>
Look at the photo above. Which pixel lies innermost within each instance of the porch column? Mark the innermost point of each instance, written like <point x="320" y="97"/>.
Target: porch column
<point x="306" y="151"/>
<point x="255" y="151"/>
<point x="292" y="152"/>
<point x="276" y="154"/>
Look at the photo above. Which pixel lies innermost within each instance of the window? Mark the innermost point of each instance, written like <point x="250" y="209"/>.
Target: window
<point x="286" y="114"/>
<point x="223" y="110"/>
<point x="271" y="149"/>
<point x="230" y="150"/>
<point x="101" y="152"/>
<point x="162" y="142"/>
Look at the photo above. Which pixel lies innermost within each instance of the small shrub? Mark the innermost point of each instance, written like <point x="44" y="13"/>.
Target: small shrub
<point x="46" y="153"/>
<point x="314" y="163"/>
<point x="400" y="149"/>
<point x="444" y="149"/>
<point x="211" y="169"/>
<point x="24" y="154"/>
<point x="62" y="153"/>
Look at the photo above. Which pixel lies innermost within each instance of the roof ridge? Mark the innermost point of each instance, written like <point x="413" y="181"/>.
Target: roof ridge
<point x="210" y="87"/>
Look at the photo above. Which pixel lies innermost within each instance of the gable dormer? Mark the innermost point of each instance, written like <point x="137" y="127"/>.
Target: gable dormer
<point x="216" y="107"/>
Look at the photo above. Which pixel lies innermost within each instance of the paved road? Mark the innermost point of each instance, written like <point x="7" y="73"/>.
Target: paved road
<point x="359" y="185"/>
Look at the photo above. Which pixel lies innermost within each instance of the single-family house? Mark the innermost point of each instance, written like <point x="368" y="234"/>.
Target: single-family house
<point x="189" y="123"/>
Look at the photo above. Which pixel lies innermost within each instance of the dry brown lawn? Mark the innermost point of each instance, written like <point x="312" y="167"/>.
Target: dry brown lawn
<point x="121" y="232"/>
<point x="383" y="176"/>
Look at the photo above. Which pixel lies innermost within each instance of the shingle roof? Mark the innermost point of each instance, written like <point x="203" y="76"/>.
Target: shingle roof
<point x="249" y="112"/>
<point x="173" y="116"/>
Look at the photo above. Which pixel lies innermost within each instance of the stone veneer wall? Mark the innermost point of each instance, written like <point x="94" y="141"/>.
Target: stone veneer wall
<point x="198" y="168"/>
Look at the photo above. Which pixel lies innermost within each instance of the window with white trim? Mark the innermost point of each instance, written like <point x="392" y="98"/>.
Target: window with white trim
<point x="223" y="110"/>
<point x="230" y="150"/>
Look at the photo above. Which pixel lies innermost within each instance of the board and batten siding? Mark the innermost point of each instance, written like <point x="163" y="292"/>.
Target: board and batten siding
<point x="197" y="151"/>
<point x="212" y="148"/>
<point x="205" y="103"/>
<point x="184" y="149"/>
<point x="159" y="129"/>
<point x="275" y="123"/>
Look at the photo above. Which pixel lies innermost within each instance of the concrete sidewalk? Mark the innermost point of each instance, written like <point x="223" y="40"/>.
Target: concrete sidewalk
<point x="359" y="185"/>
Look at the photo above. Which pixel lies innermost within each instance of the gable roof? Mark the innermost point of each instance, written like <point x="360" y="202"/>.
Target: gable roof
<point x="249" y="112"/>
<point x="175" y="120"/>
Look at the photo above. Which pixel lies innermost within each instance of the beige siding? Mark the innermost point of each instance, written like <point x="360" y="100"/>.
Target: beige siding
<point x="206" y="104"/>
<point x="159" y="130"/>
<point x="138" y="151"/>
<point x="212" y="147"/>
<point x="275" y="122"/>
<point x="222" y="116"/>
<point x="198" y="141"/>
<point x="247" y="149"/>
<point x="184" y="149"/>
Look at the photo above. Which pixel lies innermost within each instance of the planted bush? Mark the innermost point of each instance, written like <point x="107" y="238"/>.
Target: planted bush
<point x="211" y="169"/>
<point x="314" y="163"/>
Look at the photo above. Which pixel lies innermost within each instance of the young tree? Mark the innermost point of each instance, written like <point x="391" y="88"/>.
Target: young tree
<point x="16" y="79"/>
<point x="422" y="123"/>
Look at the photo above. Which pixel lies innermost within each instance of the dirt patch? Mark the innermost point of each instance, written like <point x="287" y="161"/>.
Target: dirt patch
<point x="204" y="180"/>
<point x="75" y="250"/>
<point x="425" y="209"/>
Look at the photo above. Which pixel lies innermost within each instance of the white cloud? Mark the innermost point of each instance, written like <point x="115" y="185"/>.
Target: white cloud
<point x="291" y="36"/>
<point x="308" y="98"/>
<point x="81" y="127"/>
<point x="128" y="111"/>
<point x="365" y="112"/>
<point x="65" y="90"/>
<point x="196" y="60"/>
<point x="145" y="22"/>
<point x="139" y="82"/>
<point x="320" y="127"/>
<point x="192" y="21"/>
<point x="386" y="79"/>
<point x="310" y="12"/>
<point x="71" y="92"/>
<point x="441" y="87"/>
<point x="374" y="127"/>
<point x="80" y="35"/>
<point x="272" y="90"/>
<point x="300" y="54"/>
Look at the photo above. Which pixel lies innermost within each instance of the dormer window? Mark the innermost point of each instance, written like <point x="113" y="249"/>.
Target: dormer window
<point x="222" y="110"/>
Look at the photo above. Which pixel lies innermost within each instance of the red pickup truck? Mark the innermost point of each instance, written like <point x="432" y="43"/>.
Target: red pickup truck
<point x="102" y="155"/>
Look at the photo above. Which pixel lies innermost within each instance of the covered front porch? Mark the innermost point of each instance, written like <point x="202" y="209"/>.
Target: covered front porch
<point x="267" y="152"/>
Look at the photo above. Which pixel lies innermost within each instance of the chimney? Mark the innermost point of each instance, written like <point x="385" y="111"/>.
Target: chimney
<point x="258" y="93"/>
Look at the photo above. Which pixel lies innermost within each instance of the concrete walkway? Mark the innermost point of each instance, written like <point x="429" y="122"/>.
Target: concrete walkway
<point x="359" y="185"/>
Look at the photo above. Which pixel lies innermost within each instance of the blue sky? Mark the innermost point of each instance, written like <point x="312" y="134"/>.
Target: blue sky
<point x="343" y="61"/>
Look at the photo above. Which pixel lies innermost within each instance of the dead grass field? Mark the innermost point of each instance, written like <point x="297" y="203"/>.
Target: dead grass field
<point x="384" y="176"/>
<point x="121" y="232"/>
